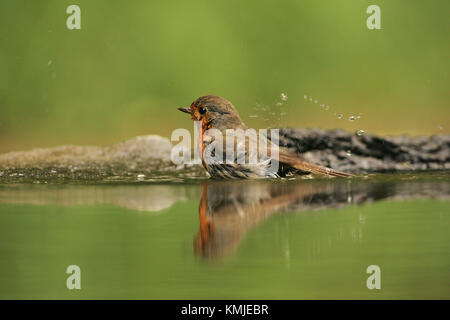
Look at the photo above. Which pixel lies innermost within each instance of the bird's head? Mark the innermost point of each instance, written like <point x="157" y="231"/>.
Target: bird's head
<point x="214" y="111"/>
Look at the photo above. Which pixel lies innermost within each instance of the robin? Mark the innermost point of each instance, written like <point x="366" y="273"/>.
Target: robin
<point x="216" y="113"/>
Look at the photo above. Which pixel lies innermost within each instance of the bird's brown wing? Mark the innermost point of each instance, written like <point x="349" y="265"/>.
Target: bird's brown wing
<point x="293" y="160"/>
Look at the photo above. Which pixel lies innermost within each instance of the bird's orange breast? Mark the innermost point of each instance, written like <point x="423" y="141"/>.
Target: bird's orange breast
<point x="202" y="140"/>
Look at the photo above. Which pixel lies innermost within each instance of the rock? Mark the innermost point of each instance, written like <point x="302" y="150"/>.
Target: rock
<point x="139" y="149"/>
<point x="147" y="158"/>
<point x="144" y="158"/>
<point x="368" y="153"/>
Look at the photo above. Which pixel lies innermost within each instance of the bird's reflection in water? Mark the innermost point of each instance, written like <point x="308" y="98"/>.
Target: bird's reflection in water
<point x="228" y="210"/>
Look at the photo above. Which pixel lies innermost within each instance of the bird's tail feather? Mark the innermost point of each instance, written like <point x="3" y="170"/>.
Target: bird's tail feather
<point x="314" y="168"/>
<point x="298" y="163"/>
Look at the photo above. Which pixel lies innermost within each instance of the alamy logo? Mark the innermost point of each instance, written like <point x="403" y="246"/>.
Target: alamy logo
<point x="374" y="281"/>
<point x="233" y="146"/>
<point x="374" y="20"/>
<point x="74" y="20"/>
<point x="74" y="280"/>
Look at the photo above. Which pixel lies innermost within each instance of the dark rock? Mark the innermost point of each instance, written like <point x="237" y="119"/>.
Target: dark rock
<point x="368" y="153"/>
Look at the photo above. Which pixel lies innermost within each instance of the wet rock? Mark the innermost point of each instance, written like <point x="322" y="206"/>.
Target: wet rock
<point x="130" y="160"/>
<point x="368" y="153"/>
<point x="139" y="149"/>
<point x="147" y="158"/>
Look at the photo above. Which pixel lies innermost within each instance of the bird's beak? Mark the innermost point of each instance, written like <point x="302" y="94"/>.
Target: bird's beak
<point x="185" y="110"/>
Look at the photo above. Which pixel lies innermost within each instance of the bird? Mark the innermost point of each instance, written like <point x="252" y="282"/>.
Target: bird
<point x="216" y="114"/>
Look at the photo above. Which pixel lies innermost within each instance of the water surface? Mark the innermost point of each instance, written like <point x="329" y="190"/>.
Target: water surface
<point x="207" y="239"/>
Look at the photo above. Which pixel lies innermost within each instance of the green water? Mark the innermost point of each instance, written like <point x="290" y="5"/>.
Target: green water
<point x="252" y="240"/>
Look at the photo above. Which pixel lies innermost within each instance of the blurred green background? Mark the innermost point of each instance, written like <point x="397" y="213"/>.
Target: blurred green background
<point x="132" y="63"/>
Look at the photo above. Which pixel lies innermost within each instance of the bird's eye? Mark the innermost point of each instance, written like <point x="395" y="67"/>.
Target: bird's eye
<point x="202" y="110"/>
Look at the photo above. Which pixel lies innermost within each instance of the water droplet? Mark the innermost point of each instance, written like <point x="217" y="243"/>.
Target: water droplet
<point x="351" y="118"/>
<point x="339" y="116"/>
<point x="360" y="132"/>
<point x="284" y="96"/>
